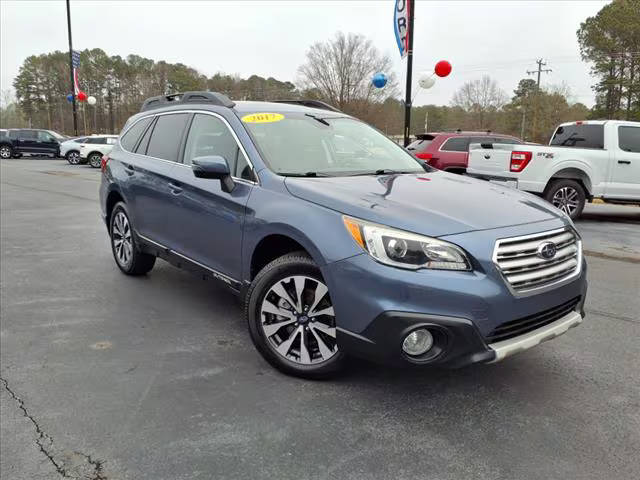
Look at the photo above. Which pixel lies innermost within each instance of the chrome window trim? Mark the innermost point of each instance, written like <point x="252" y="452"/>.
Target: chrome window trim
<point x="205" y="112"/>
<point x="548" y="286"/>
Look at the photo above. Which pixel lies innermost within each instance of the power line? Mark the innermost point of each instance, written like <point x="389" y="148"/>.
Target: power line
<point x="540" y="70"/>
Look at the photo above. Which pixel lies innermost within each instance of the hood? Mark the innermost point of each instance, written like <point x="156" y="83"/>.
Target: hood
<point x="434" y="203"/>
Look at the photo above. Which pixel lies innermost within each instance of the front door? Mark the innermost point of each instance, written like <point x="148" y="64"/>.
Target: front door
<point x="625" y="170"/>
<point x="207" y="221"/>
<point x="47" y="143"/>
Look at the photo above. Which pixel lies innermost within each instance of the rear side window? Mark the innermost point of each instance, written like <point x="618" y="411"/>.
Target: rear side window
<point x="165" y="138"/>
<point x="629" y="139"/>
<point x="579" y="136"/>
<point x="456" y="144"/>
<point x="130" y="138"/>
<point x="111" y="141"/>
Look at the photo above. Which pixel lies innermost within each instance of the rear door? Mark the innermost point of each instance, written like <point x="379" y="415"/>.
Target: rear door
<point x="625" y="170"/>
<point x="26" y="141"/>
<point x="149" y="170"/>
<point x="453" y="152"/>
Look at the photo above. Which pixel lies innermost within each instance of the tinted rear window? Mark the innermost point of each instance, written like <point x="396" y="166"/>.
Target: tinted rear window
<point x="130" y="138"/>
<point x="456" y="144"/>
<point x="629" y="139"/>
<point x="419" y="145"/>
<point x="166" y="136"/>
<point x="579" y="136"/>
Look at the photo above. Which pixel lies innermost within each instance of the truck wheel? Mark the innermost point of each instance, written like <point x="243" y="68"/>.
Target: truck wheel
<point x="5" y="152"/>
<point x="291" y="319"/>
<point x="566" y="195"/>
<point x="95" y="159"/>
<point x="73" y="157"/>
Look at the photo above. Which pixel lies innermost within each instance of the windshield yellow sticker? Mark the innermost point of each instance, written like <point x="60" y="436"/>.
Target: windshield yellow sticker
<point x="262" y="118"/>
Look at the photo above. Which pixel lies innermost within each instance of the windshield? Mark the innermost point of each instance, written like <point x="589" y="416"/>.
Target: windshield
<point x="299" y="144"/>
<point x="56" y="135"/>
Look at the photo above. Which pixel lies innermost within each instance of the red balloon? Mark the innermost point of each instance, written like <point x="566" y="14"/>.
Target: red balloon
<point x="443" y="68"/>
<point x="82" y="96"/>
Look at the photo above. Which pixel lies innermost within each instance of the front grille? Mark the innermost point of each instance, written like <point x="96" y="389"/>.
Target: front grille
<point x="524" y="269"/>
<point x="524" y="325"/>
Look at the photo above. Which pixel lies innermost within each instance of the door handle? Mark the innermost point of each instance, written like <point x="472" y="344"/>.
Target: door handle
<point x="129" y="169"/>
<point x="175" y="189"/>
<point x="624" y="162"/>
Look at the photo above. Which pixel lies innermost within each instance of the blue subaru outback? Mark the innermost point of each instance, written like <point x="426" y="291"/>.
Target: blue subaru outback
<point x="338" y="240"/>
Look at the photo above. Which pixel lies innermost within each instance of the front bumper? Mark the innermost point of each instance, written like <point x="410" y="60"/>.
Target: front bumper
<point x="377" y="306"/>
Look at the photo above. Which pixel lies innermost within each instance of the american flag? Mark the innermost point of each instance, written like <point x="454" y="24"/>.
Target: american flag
<point x="75" y="59"/>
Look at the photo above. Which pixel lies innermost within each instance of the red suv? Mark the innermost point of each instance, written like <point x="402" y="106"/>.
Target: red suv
<point x="450" y="151"/>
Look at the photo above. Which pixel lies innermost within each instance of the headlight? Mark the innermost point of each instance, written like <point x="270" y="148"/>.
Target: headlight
<point x="406" y="250"/>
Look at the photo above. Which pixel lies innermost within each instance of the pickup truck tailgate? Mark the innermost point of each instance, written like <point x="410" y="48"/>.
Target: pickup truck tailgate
<point x="490" y="161"/>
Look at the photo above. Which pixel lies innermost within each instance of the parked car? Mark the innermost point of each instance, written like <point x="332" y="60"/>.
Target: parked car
<point x="70" y="149"/>
<point x="15" y="142"/>
<point x="449" y="151"/>
<point x="95" y="147"/>
<point x="337" y="240"/>
<point x="583" y="161"/>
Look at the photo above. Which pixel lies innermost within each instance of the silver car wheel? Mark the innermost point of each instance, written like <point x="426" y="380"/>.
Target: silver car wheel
<point x="566" y="199"/>
<point x="5" y="152"/>
<point x="298" y="321"/>
<point x="121" y="239"/>
<point x="74" y="158"/>
<point x="95" y="160"/>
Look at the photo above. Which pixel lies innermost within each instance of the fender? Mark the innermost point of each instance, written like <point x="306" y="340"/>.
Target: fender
<point x="575" y="169"/>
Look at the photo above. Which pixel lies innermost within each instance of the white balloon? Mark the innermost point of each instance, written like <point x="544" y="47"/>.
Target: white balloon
<point x="426" y="81"/>
<point x="91" y="100"/>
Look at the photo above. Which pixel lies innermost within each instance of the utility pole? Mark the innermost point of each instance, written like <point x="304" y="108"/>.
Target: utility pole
<point x="535" y="111"/>
<point x="522" y="126"/>
<point x="73" y="91"/>
<point x="407" y="98"/>
<point x="540" y="70"/>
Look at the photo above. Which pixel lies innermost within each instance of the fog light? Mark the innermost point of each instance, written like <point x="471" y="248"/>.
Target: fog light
<point x="417" y="342"/>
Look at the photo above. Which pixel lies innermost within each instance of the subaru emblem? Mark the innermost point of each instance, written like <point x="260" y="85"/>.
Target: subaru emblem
<point x="546" y="250"/>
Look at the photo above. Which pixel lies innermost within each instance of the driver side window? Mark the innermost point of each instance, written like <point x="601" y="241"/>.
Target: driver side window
<point x="209" y="135"/>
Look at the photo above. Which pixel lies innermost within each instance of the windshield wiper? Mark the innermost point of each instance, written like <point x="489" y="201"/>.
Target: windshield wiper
<point x="321" y="120"/>
<point x="385" y="171"/>
<point x="304" y="174"/>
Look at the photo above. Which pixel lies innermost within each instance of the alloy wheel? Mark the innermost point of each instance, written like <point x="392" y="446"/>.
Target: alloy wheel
<point x="566" y="199"/>
<point x="121" y="239"/>
<point x="298" y="320"/>
<point x="74" y="158"/>
<point x="5" y="152"/>
<point x="94" y="160"/>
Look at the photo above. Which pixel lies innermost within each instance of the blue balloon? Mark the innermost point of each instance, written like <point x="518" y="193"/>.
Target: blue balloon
<point x="379" y="80"/>
<point x="70" y="98"/>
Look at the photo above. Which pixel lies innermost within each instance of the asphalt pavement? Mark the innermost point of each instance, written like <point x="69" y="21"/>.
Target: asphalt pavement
<point x="110" y="377"/>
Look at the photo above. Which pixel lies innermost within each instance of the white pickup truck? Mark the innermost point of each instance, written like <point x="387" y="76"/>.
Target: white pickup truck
<point x="583" y="161"/>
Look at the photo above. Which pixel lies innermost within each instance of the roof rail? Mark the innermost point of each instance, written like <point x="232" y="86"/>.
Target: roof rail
<point x="213" y="98"/>
<point x="310" y="103"/>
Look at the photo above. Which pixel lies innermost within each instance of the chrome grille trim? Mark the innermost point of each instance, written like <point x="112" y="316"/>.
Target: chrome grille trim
<point x="525" y="273"/>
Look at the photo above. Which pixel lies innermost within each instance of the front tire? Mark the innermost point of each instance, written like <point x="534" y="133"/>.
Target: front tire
<point x="95" y="159"/>
<point x="566" y="195"/>
<point x="6" y="152"/>
<point x="291" y="319"/>
<point x="73" y="157"/>
<point x="127" y="254"/>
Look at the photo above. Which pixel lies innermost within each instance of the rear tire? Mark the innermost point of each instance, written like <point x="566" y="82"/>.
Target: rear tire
<point x="126" y="252"/>
<point x="298" y="339"/>
<point x="95" y="159"/>
<point x="567" y="196"/>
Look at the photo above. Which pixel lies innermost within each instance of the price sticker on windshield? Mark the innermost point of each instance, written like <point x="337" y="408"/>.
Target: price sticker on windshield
<point x="262" y="118"/>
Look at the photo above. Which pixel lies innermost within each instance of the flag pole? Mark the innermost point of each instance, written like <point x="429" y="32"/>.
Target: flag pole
<point x="73" y="91"/>
<point x="407" y="98"/>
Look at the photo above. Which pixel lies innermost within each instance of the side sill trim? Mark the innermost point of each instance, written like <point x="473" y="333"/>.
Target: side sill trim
<point x="511" y="346"/>
<point x="235" y="284"/>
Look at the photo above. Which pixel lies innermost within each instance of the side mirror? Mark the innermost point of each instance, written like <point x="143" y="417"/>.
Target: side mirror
<point x="216" y="167"/>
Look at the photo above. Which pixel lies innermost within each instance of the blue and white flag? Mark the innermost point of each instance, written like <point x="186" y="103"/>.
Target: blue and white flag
<point x="401" y="25"/>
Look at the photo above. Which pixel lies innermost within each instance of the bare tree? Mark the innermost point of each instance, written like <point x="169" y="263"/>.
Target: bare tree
<point x="482" y="98"/>
<point x="341" y="69"/>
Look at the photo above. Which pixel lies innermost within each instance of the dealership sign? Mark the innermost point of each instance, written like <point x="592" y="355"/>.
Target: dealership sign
<point x="401" y="25"/>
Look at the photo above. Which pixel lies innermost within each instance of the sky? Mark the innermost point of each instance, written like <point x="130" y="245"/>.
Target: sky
<point x="269" y="38"/>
